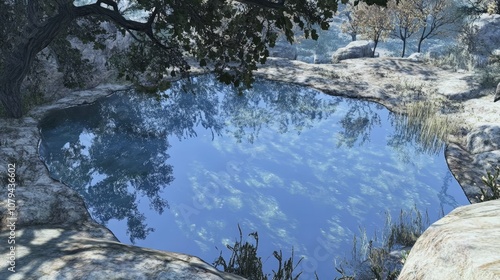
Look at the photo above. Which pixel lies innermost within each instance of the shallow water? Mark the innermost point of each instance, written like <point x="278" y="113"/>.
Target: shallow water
<point x="304" y="169"/>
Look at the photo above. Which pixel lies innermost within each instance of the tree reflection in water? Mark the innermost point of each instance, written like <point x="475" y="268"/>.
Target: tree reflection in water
<point x="113" y="153"/>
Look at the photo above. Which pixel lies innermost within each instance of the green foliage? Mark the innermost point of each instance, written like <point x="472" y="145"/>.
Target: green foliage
<point x="245" y="262"/>
<point x="492" y="182"/>
<point x="229" y="38"/>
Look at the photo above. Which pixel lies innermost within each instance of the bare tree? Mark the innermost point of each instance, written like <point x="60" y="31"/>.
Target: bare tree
<point x="407" y="19"/>
<point x="351" y="26"/>
<point x="435" y="14"/>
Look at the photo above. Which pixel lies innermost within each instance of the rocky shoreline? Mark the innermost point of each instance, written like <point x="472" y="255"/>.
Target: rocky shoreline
<point x="55" y="236"/>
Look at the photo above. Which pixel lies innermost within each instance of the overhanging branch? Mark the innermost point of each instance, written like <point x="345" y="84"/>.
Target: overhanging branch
<point x="264" y="3"/>
<point x="115" y="16"/>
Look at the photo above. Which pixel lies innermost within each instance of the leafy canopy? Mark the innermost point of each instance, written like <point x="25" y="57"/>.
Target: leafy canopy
<point x="227" y="36"/>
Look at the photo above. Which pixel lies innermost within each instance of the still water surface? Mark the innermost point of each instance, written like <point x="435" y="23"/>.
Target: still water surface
<point x="304" y="169"/>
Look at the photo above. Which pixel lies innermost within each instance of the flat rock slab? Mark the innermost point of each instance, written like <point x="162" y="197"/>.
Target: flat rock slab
<point x="62" y="253"/>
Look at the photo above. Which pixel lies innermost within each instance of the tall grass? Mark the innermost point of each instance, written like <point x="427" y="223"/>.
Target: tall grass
<point x="424" y="124"/>
<point x="372" y="259"/>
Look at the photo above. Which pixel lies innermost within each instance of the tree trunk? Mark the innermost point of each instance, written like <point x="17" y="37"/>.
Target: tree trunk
<point x="19" y="61"/>
<point x="419" y="44"/>
<point x="375" y="43"/>
<point x="10" y="96"/>
<point x="422" y="38"/>
<point x="404" y="48"/>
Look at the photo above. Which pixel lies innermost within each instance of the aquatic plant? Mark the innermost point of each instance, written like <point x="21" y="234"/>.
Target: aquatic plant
<point x="492" y="181"/>
<point x="245" y="262"/>
<point x="369" y="261"/>
<point x="424" y="124"/>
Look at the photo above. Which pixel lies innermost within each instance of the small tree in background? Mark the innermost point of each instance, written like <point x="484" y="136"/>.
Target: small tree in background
<point x="435" y="15"/>
<point x="351" y="26"/>
<point x="374" y="22"/>
<point x="407" y="19"/>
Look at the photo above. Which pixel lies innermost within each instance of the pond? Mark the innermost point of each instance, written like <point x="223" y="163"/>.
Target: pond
<point x="181" y="170"/>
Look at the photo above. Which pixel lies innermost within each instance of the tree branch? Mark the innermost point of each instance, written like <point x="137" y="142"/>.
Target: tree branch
<point x="264" y="3"/>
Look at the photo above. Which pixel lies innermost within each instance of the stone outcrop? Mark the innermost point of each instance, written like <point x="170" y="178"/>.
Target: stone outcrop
<point x="462" y="245"/>
<point x="416" y="57"/>
<point x="486" y="34"/>
<point x="356" y="49"/>
<point x="60" y="253"/>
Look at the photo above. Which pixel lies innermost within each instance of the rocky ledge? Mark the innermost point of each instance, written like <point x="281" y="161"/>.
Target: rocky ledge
<point x="56" y="238"/>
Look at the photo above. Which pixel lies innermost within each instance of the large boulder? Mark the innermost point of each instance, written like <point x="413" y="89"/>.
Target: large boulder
<point x="356" y="49"/>
<point x="462" y="245"/>
<point x="487" y="34"/>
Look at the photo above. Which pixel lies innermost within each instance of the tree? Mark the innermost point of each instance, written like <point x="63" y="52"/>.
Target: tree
<point x="474" y="7"/>
<point x="374" y="22"/>
<point x="351" y="26"/>
<point x="407" y="19"/>
<point x="435" y="15"/>
<point x="234" y="36"/>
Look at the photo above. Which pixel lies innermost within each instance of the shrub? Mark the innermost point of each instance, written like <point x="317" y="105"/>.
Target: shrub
<point x="492" y="181"/>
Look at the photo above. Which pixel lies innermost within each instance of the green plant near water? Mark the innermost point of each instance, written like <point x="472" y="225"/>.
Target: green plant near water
<point x="492" y="181"/>
<point x="409" y="88"/>
<point x="245" y="262"/>
<point x="408" y="229"/>
<point x="370" y="258"/>
<point x="369" y="261"/>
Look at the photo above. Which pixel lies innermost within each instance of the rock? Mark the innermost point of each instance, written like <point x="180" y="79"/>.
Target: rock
<point x="484" y="138"/>
<point x="462" y="245"/>
<point x="417" y="57"/>
<point x="356" y="49"/>
<point x="497" y="93"/>
<point x="487" y="34"/>
<point x="56" y="253"/>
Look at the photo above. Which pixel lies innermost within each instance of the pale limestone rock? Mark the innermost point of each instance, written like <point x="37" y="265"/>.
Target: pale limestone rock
<point x="356" y="49"/>
<point x="462" y="245"/>
<point x="57" y="253"/>
<point x="484" y="138"/>
<point x="416" y="57"/>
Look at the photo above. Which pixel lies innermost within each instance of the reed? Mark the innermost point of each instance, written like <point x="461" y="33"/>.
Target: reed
<point x="425" y="124"/>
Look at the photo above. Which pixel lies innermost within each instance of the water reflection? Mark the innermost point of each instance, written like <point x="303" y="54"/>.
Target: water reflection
<point x="302" y="168"/>
<point x="113" y="153"/>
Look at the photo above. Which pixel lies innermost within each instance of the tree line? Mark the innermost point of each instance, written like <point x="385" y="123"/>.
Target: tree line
<point x="403" y="19"/>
